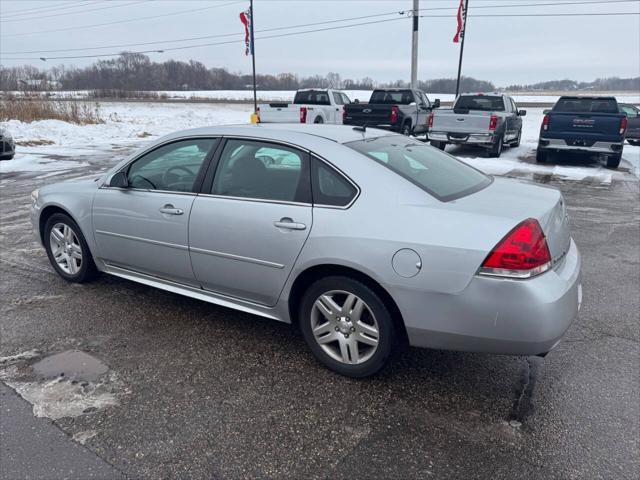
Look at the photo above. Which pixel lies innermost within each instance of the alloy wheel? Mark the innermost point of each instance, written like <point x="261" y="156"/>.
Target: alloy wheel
<point x="345" y="327"/>
<point x="66" y="248"/>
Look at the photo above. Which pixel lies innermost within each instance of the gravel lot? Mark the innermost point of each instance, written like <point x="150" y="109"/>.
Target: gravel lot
<point x="200" y="391"/>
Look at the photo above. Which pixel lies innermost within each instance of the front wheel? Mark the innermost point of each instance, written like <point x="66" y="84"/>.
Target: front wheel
<point x="347" y="326"/>
<point x="516" y="143"/>
<point x="67" y="249"/>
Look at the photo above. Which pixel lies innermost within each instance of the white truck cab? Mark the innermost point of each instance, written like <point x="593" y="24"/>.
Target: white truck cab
<point x="310" y="105"/>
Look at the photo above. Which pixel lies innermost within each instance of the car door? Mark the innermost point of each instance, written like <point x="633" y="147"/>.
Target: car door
<point x="251" y="220"/>
<point x="424" y="109"/>
<point x="336" y="109"/>
<point x="516" y="116"/>
<point x="144" y="227"/>
<point x="510" y="120"/>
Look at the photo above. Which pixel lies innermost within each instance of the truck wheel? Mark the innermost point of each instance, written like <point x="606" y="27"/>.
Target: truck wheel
<point x="635" y="143"/>
<point x="614" y="161"/>
<point x="496" y="150"/>
<point x="318" y="120"/>
<point x="406" y="129"/>
<point x="516" y="143"/>
<point x="541" y="156"/>
<point x="438" y="145"/>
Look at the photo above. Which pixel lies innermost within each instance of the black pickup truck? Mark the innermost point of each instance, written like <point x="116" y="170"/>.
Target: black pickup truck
<point x="400" y="110"/>
<point x="593" y="125"/>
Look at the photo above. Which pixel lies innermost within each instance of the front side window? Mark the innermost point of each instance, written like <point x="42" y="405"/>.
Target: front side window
<point x="261" y="170"/>
<point x="438" y="173"/>
<point x="330" y="187"/>
<point x="172" y="167"/>
<point x="345" y="99"/>
<point x="337" y="98"/>
<point x="629" y="110"/>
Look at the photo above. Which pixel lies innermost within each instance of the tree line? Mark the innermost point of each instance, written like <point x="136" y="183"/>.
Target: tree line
<point x="136" y="72"/>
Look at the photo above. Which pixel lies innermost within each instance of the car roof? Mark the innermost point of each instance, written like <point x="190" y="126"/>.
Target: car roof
<point x="293" y="133"/>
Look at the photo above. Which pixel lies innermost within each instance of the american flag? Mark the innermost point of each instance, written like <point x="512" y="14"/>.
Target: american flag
<point x="245" y="18"/>
<point x="462" y="17"/>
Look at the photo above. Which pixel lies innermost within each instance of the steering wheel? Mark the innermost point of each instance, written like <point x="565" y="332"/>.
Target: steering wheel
<point x="165" y="175"/>
<point x="132" y="180"/>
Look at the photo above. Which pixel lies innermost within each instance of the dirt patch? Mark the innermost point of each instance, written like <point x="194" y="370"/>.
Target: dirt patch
<point x="34" y="143"/>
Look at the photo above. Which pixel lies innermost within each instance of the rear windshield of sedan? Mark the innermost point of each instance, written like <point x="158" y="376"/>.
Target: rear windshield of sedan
<point x="586" y="105"/>
<point x="480" y="102"/>
<point x="436" y="172"/>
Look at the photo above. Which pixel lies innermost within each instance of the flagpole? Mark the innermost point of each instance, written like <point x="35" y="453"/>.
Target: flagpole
<point x="464" y="35"/>
<point x="253" y="59"/>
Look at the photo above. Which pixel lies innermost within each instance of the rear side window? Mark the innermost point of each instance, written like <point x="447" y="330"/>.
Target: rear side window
<point x="480" y="102"/>
<point x="330" y="187"/>
<point x="438" y="173"/>
<point x="312" y="97"/>
<point x="402" y="97"/>
<point x="586" y="105"/>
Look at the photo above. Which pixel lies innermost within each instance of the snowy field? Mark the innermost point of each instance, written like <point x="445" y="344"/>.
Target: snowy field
<point x="287" y="95"/>
<point x="46" y="148"/>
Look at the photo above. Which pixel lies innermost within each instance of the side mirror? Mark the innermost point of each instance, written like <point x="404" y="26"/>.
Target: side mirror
<point x="119" y="180"/>
<point x="356" y="101"/>
<point x="436" y="103"/>
<point x="522" y="113"/>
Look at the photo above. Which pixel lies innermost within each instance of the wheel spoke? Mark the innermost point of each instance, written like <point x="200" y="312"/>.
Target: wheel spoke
<point x="344" y="352"/>
<point x="57" y="236"/>
<point x="330" y="306"/>
<point x="366" y="339"/>
<point x="75" y="254"/>
<point x="322" y="329"/>
<point x="328" y="338"/>
<point x="348" y="304"/>
<point x="323" y="308"/>
<point x="353" y="351"/>
<point x="73" y="268"/>
<point x="367" y="329"/>
<point x="356" y="312"/>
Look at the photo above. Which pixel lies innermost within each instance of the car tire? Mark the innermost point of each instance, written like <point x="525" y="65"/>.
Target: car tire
<point x="347" y="326"/>
<point x="318" y="120"/>
<point x="613" y="161"/>
<point x="438" y="145"/>
<point x="496" y="149"/>
<point x="67" y="249"/>
<point x="541" y="156"/>
<point x="516" y="143"/>
<point x="635" y="143"/>
<point x="7" y="157"/>
<point x="406" y="129"/>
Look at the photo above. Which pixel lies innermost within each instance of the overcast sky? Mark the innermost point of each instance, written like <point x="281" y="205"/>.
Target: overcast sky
<point x="505" y="50"/>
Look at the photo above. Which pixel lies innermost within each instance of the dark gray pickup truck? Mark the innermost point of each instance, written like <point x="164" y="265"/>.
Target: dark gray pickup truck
<point x="397" y="109"/>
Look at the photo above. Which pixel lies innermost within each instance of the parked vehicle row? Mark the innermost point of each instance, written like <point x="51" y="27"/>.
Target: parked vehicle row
<point x="488" y="120"/>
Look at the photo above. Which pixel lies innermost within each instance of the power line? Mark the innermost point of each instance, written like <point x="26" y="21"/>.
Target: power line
<point x="32" y="11"/>
<point x="74" y="13"/>
<point x="318" y="30"/>
<point x="313" y="24"/>
<point x="123" y="21"/>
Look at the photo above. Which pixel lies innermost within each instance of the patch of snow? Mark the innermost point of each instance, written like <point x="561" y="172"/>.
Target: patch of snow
<point x="19" y="356"/>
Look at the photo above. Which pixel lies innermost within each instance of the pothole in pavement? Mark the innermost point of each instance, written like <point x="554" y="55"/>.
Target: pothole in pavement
<point x="66" y="384"/>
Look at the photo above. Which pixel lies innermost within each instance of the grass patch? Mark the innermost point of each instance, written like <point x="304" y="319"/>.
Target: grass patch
<point x="31" y="109"/>
<point x="34" y="143"/>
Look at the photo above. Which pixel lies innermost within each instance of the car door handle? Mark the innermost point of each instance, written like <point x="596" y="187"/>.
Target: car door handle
<point x="169" y="209"/>
<point x="289" y="224"/>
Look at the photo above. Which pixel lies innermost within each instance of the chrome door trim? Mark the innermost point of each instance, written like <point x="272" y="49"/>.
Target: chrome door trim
<point x="193" y="292"/>
<point x="144" y="240"/>
<point x="260" y="200"/>
<point x="240" y="258"/>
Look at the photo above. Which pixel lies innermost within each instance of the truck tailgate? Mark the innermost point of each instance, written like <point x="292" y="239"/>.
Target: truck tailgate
<point x="451" y="122"/>
<point x="584" y="126"/>
<point x="369" y="114"/>
<point x="279" y="113"/>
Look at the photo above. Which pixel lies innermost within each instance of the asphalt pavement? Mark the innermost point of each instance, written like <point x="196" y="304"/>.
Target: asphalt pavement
<point x="199" y="391"/>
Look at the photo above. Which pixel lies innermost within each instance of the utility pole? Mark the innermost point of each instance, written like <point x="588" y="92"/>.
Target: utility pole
<point x="414" y="45"/>
<point x="253" y="59"/>
<point x="465" y="14"/>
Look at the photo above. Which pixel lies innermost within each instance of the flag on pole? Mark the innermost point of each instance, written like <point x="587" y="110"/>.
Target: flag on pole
<point x="462" y="21"/>
<point x="245" y="18"/>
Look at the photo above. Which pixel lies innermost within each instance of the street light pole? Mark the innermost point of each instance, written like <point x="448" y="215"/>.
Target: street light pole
<point x="414" y="45"/>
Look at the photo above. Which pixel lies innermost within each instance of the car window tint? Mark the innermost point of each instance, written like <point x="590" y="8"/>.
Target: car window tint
<point x="311" y="97"/>
<point x="436" y="172"/>
<point x="330" y="187"/>
<point x="586" y="105"/>
<point x="251" y="169"/>
<point x="403" y="97"/>
<point x="629" y="111"/>
<point x="480" y="102"/>
<point x="173" y="167"/>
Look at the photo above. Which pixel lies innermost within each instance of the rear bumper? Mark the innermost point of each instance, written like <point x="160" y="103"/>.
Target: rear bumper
<point x="597" y="147"/>
<point x="462" y="138"/>
<point x="515" y="317"/>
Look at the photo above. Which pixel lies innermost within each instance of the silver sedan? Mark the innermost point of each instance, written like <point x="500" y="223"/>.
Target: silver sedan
<point x="365" y="239"/>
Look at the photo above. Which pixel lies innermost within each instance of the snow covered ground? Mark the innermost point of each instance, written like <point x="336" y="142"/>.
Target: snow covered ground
<point x="49" y="147"/>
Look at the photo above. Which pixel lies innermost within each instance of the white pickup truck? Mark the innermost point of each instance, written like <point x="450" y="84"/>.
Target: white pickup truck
<point x="309" y="106"/>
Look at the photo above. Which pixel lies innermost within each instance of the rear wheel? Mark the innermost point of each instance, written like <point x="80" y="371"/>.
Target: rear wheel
<point x="438" y="145"/>
<point x="406" y="129"/>
<point x="614" y="161"/>
<point x="347" y="326"/>
<point x="318" y="120"/>
<point x="67" y="249"/>
<point x="541" y="156"/>
<point x="496" y="150"/>
<point x="635" y="143"/>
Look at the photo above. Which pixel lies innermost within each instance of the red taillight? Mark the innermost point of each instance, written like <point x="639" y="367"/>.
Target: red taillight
<point x="430" y="120"/>
<point x="545" y="123"/>
<point x="523" y="253"/>
<point x="623" y="125"/>
<point x="493" y="122"/>
<point x="394" y="113"/>
<point x="344" y="114"/>
<point x="303" y="114"/>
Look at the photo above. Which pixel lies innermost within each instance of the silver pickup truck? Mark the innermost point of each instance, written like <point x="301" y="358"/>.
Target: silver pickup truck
<point x="489" y="120"/>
